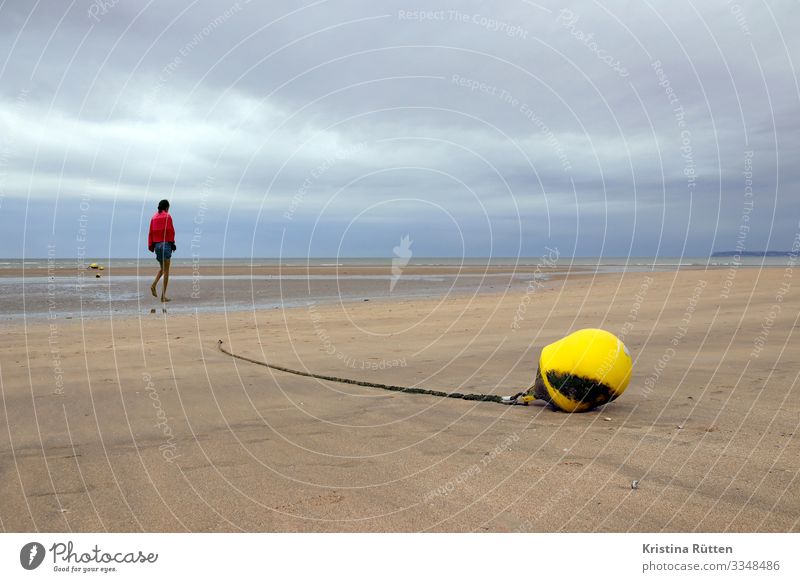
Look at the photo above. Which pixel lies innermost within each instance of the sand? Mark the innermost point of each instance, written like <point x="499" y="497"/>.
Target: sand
<point x="140" y="423"/>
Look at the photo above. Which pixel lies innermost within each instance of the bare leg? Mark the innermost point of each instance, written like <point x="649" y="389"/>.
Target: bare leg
<point x="155" y="282"/>
<point x="165" y="268"/>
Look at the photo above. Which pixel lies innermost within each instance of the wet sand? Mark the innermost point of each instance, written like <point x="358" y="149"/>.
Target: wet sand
<point x="140" y="423"/>
<point x="117" y="292"/>
<point x="149" y="269"/>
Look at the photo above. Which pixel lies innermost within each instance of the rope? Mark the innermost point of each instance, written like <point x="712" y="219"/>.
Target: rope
<point x="407" y="390"/>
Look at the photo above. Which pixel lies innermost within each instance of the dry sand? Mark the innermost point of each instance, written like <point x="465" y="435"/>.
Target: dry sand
<point x="140" y="423"/>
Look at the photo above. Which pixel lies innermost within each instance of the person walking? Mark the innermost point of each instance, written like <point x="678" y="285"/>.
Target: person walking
<point x="161" y="241"/>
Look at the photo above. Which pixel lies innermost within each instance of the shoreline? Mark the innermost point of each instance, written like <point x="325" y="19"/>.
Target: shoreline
<point x="66" y="296"/>
<point x="215" y="270"/>
<point x="353" y="267"/>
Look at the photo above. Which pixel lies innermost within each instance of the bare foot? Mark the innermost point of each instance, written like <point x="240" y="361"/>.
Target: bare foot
<point x="165" y="299"/>
<point x="153" y="290"/>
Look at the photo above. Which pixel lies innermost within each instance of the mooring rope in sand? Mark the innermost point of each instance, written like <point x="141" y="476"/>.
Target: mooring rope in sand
<point x="407" y="390"/>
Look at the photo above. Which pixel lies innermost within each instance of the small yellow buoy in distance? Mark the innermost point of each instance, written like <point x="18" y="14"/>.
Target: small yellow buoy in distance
<point x="101" y="267"/>
<point x="582" y="371"/>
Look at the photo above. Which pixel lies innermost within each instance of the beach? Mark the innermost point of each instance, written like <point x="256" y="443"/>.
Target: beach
<point x="134" y="420"/>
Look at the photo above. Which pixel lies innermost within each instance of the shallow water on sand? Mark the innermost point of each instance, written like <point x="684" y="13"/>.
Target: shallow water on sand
<point x="87" y="296"/>
<point x="55" y="288"/>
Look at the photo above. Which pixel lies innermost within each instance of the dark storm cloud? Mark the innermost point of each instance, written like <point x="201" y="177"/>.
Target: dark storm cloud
<point x="513" y="125"/>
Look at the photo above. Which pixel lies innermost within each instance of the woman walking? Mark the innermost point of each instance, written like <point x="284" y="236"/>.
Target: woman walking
<point x="161" y="240"/>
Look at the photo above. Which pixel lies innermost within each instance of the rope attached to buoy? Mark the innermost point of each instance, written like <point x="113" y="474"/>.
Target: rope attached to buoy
<point x="404" y="389"/>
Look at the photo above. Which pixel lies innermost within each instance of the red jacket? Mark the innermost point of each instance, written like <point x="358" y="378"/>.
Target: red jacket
<point x="161" y="229"/>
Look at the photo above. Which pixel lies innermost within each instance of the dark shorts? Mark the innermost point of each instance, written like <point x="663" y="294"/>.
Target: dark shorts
<point x="163" y="251"/>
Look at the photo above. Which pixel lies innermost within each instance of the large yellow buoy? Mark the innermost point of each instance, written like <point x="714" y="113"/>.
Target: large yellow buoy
<point x="586" y="369"/>
<point x="93" y="266"/>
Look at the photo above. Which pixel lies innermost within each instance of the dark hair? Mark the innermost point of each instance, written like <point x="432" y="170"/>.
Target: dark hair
<point x="163" y="205"/>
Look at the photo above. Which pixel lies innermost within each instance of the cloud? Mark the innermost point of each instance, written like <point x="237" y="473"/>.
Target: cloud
<point x="608" y="124"/>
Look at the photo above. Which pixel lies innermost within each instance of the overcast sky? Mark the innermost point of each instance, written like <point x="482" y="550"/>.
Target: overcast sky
<point x="337" y="127"/>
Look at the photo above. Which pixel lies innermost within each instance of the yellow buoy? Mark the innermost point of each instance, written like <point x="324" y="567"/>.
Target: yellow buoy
<point x="101" y="267"/>
<point x="93" y="266"/>
<point x="586" y="369"/>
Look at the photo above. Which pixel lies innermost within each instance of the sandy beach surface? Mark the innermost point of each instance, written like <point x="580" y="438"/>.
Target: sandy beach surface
<point x="139" y="422"/>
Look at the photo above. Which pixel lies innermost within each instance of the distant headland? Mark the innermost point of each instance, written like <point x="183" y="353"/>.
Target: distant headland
<point x="751" y="253"/>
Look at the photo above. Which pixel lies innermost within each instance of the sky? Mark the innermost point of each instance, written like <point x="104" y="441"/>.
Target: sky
<point x="335" y="128"/>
